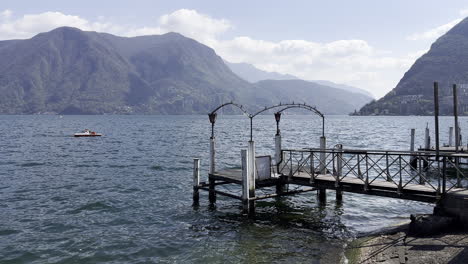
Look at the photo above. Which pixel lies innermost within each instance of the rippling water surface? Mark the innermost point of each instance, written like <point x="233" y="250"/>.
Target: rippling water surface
<point x="126" y="197"/>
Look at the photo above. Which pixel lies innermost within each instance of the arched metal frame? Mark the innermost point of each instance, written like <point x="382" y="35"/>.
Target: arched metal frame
<point x="213" y="114"/>
<point x="287" y="106"/>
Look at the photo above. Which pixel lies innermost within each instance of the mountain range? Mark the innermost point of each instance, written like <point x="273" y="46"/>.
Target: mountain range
<point x="70" y="71"/>
<point x="447" y="63"/>
<point x="252" y="74"/>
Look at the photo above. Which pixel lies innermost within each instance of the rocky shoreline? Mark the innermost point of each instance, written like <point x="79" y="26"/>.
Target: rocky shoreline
<point x="401" y="244"/>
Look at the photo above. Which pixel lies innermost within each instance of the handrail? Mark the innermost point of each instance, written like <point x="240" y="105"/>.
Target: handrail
<point x="376" y="152"/>
<point x="397" y="167"/>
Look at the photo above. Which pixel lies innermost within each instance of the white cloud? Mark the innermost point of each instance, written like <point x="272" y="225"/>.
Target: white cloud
<point x="6" y="14"/>
<point x="433" y="34"/>
<point x="353" y="61"/>
<point x="463" y="12"/>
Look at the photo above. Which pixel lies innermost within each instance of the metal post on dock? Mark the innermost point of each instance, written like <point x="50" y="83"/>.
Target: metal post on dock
<point x="339" y="172"/>
<point x="427" y="138"/>
<point x="323" y="159"/>
<point x="450" y="141"/>
<point x="322" y="192"/>
<point x="427" y="146"/>
<point x="436" y="119"/>
<point x="212" y="182"/>
<point x="248" y="187"/>
<point x="196" y="181"/>
<point x="457" y="133"/>
<point x="212" y="169"/>
<point x="413" y="159"/>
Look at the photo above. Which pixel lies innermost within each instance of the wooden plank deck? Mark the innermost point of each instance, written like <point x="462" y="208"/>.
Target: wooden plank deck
<point x="416" y="192"/>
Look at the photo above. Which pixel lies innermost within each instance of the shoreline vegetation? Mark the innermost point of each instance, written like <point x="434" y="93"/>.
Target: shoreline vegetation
<point x="396" y="244"/>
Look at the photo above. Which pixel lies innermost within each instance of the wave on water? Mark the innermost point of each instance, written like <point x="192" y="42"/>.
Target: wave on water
<point x="32" y="164"/>
<point x="6" y="232"/>
<point x="157" y="168"/>
<point x="95" y="206"/>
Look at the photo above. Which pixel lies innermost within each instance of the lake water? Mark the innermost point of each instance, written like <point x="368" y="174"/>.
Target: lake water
<point x="127" y="197"/>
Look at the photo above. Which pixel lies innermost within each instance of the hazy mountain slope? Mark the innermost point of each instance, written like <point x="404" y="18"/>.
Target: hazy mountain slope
<point x="344" y="87"/>
<point x="327" y="99"/>
<point x="252" y="74"/>
<point x="445" y="62"/>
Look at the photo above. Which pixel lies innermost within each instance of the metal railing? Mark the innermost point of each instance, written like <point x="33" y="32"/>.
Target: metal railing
<point x="442" y="173"/>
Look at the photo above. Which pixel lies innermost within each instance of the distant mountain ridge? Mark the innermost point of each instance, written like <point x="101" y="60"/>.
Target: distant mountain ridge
<point x="447" y="63"/>
<point x="69" y="71"/>
<point x="252" y="74"/>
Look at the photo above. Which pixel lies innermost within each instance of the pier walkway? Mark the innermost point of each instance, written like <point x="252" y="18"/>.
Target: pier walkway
<point x="437" y="177"/>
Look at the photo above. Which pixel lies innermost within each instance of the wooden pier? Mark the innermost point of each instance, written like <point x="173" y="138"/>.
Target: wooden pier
<point x="418" y="175"/>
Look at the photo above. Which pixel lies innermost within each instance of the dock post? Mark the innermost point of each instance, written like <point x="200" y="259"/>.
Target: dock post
<point x="413" y="159"/>
<point x="339" y="173"/>
<point x="436" y="128"/>
<point x="212" y="155"/>
<point x="323" y="157"/>
<point x="427" y="138"/>
<point x="245" y="180"/>
<point x="278" y="160"/>
<point x="457" y="134"/>
<point x="252" y="176"/>
<point x="322" y="195"/>
<point x="387" y="167"/>
<point x="212" y="193"/>
<point x="196" y="181"/>
<point x="322" y="192"/>
<point x="450" y="143"/>
<point x="278" y="157"/>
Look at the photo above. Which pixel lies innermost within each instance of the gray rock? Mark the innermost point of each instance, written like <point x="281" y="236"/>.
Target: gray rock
<point x="427" y="224"/>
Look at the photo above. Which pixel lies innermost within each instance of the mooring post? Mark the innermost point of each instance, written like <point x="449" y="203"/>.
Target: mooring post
<point x="323" y="159"/>
<point x="457" y="134"/>
<point x="427" y="146"/>
<point x="245" y="180"/>
<point x="278" y="160"/>
<point x="196" y="181"/>
<point x="278" y="157"/>
<point x="322" y="192"/>
<point x="212" y="155"/>
<point x="252" y="175"/>
<point x="211" y="181"/>
<point x="339" y="172"/>
<point x="450" y="141"/>
<point x="427" y="138"/>
<point x="436" y="118"/>
<point x="413" y="160"/>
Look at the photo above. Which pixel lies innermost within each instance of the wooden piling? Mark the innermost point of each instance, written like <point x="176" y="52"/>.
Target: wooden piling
<point x="196" y="181"/>
<point x="322" y="195"/>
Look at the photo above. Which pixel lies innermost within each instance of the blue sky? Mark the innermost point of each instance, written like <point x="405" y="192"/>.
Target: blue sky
<point x="368" y="44"/>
